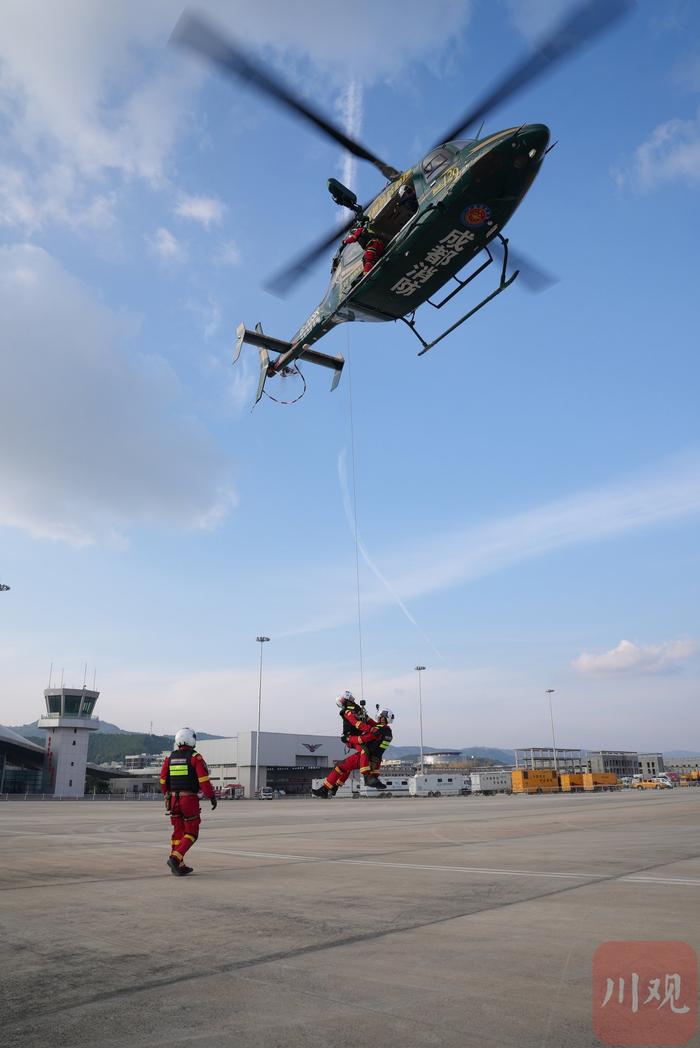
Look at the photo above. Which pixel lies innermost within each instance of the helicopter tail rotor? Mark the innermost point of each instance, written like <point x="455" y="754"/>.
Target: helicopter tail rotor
<point x="287" y="354"/>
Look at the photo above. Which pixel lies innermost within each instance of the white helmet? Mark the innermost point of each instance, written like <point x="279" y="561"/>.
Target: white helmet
<point x="385" y="714"/>
<point x="186" y="737"/>
<point x="346" y="699"/>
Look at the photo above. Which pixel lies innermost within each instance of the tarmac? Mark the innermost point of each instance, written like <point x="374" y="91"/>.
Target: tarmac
<point x="398" y="921"/>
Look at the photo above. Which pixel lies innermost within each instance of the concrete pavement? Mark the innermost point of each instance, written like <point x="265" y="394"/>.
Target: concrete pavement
<point x="451" y="921"/>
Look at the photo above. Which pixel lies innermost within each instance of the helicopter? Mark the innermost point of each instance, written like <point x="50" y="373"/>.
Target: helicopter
<point x="428" y="222"/>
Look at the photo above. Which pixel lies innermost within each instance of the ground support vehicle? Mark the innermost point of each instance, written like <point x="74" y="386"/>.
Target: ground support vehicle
<point x="535" y="780"/>
<point x="395" y="787"/>
<point x="490" y="781"/>
<point x="652" y="784"/>
<point x="571" y="782"/>
<point x="444" y="784"/>
<point x="596" y="781"/>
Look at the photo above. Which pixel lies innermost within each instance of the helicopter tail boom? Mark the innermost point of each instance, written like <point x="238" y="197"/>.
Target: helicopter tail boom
<point x="287" y="352"/>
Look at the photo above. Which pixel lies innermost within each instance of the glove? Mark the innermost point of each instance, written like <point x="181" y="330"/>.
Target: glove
<point x="167" y="803"/>
<point x="213" y="803"/>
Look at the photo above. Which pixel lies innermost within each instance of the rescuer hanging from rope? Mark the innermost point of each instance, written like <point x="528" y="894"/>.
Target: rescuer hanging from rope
<point x="365" y="737"/>
<point x="183" y="776"/>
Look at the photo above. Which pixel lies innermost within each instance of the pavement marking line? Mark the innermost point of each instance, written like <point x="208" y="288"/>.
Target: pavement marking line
<point x="558" y="875"/>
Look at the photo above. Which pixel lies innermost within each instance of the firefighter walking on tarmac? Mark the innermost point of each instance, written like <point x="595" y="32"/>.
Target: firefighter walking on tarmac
<point x="367" y="738"/>
<point x="183" y="776"/>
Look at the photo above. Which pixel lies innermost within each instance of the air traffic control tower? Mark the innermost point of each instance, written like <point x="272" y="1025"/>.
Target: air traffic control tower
<point x="68" y="721"/>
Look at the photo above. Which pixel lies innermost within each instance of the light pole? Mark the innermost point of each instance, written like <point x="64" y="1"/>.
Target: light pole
<point x="261" y="641"/>
<point x="419" y="670"/>
<point x="549" y="693"/>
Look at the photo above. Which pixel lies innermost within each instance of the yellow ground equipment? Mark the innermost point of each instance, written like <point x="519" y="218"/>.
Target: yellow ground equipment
<point x="594" y="781"/>
<point x="535" y="780"/>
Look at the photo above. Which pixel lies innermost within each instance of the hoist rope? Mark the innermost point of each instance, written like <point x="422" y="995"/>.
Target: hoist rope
<point x="294" y="369"/>
<point x="354" y="511"/>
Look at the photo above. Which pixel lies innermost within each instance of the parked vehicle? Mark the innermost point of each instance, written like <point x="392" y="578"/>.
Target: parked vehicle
<point x="266" y="793"/>
<point x="489" y="781"/>
<point x="395" y="787"/>
<point x="595" y="781"/>
<point x="652" y="784"/>
<point x="443" y="784"/>
<point x="571" y="782"/>
<point x="535" y="780"/>
<point x="232" y="791"/>
<point x="351" y="788"/>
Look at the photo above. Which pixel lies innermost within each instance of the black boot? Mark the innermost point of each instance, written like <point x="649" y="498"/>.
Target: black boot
<point x="374" y="782"/>
<point x="175" y="866"/>
<point x="333" y="790"/>
<point x="321" y="791"/>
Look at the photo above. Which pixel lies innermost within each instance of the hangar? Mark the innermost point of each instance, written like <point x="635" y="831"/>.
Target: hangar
<point x="285" y="761"/>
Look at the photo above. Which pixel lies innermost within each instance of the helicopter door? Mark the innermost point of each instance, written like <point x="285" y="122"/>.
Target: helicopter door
<point x="350" y="266"/>
<point x="398" y="209"/>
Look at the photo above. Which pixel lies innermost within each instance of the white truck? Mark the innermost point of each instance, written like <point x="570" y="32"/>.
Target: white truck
<point x="444" y="784"/>
<point x="348" y="789"/>
<point x="396" y="786"/>
<point x="491" y="780"/>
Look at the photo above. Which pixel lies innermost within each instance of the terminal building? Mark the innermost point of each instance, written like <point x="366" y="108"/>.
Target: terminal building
<point x="285" y="761"/>
<point x="21" y="763"/>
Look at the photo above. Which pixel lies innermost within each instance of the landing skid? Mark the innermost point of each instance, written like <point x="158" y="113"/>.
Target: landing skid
<point x="461" y="284"/>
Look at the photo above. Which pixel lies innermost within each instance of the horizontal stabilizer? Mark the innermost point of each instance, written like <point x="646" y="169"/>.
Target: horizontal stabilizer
<point x="287" y="352"/>
<point x="260" y="339"/>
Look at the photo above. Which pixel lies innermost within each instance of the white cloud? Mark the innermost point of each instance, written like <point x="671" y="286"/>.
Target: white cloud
<point x="588" y="516"/>
<point x="228" y="254"/>
<point x="166" y="245"/>
<point x="432" y="563"/>
<point x="628" y="657"/>
<point x="92" y="444"/>
<point x="532" y="18"/>
<point x="670" y="154"/>
<point x="349" y="106"/>
<point x="201" y="209"/>
<point x="53" y="195"/>
<point x="209" y="313"/>
<point x="94" y="89"/>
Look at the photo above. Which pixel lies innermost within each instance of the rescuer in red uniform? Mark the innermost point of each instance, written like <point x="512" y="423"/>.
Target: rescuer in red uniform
<point x="183" y="776"/>
<point x="372" y="246"/>
<point x="364" y="736"/>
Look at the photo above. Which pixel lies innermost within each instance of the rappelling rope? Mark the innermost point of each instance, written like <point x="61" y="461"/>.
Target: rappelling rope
<point x="294" y="369"/>
<point x="354" y="511"/>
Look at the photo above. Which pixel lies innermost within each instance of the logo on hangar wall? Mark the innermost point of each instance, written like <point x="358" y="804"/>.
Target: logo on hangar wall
<point x="312" y="746"/>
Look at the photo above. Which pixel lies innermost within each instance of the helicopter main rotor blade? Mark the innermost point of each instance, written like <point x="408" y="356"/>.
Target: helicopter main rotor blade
<point x="586" y="21"/>
<point x="193" y="32"/>
<point x="282" y="282"/>
<point x="531" y="276"/>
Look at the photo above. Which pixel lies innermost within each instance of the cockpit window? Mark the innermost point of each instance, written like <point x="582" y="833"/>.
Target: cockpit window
<point x="434" y="163"/>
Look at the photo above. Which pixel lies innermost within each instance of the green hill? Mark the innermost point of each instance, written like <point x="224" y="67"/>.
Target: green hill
<point x="103" y="748"/>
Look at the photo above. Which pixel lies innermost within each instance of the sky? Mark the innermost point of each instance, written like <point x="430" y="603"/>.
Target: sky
<point x="527" y="494"/>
